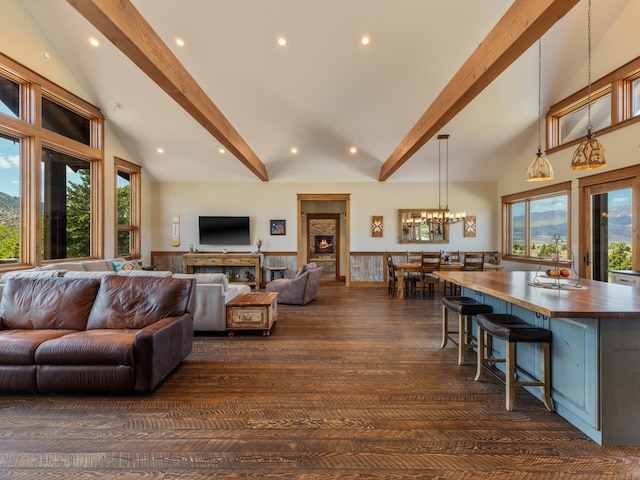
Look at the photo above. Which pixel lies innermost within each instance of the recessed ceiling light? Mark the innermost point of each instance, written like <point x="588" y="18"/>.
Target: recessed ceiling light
<point x="160" y="150"/>
<point x="180" y="42"/>
<point x="353" y="150"/>
<point x="94" y="41"/>
<point x="365" y="40"/>
<point x="282" y="41"/>
<point x="294" y="150"/>
<point x="221" y="151"/>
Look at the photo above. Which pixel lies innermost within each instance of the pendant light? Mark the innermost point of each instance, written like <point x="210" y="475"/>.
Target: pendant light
<point x="540" y="168"/>
<point x="590" y="153"/>
<point x="443" y="216"/>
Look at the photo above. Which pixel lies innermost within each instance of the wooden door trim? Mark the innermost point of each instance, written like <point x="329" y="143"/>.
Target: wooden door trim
<point x="328" y="197"/>
<point x="598" y="183"/>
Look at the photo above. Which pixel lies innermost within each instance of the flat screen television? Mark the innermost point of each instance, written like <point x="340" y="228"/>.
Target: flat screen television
<point x="224" y="230"/>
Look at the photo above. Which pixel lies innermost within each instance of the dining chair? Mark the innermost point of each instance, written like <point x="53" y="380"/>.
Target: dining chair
<point x="414" y="277"/>
<point x="450" y="257"/>
<point x="429" y="263"/>
<point x="473" y="262"/>
<point x="392" y="274"/>
<point x="413" y="256"/>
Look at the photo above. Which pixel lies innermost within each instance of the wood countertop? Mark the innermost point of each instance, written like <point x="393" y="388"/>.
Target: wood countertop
<point x="594" y="300"/>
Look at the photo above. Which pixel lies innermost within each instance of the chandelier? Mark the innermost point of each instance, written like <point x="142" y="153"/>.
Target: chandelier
<point x="443" y="216"/>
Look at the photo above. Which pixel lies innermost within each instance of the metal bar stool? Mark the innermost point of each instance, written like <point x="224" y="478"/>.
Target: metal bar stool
<point x="512" y="330"/>
<point x="466" y="308"/>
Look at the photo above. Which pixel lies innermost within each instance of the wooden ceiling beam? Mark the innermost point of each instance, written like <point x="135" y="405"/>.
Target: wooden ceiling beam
<point x="524" y="23"/>
<point x="126" y="28"/>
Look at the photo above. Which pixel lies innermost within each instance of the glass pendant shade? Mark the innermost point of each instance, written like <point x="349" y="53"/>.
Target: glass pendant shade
<point x="540" y="168"/>
<point x="589" y="154"/>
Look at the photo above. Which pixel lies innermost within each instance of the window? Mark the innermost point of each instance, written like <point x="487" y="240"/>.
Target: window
<point x="574" y="124"/>
<point x="127" y="209"/>
<point x="66" y="122"/>
<point x="635" y="97"/>
<point x="66" y="206"/>
<point x="9" y="199"/>
<point x="9" y="97"/>
<point x="533" y="218"/>
<point x="615" y="102"/>
<point x="51" y="171"/>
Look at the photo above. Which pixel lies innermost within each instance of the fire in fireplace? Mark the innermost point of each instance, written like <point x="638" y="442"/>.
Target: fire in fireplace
<point x="325" y="244"/>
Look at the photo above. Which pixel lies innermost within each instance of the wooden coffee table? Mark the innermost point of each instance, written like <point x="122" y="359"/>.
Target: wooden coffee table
<point x="252" y="311"/>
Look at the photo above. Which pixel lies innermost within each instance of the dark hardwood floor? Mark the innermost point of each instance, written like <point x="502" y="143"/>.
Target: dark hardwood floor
<point x="353" y="385"/>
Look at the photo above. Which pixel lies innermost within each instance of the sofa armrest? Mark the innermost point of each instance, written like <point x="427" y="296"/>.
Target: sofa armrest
<point x="159" y="348"/>
<point x="210" y="312"/>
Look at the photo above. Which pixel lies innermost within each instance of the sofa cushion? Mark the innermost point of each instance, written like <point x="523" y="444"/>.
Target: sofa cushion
<point x="98" y="265"/>
<point x="31" y="274"/>
<point x="126" y="265"/>
<point x="215" y="278"/>
<point x="135" y="302"/>
<point x="47" y="303"/>
<point x="305" y="267"/>
<point x="17" y="347"/>
<point x="71" y="266"/>
<point x="144" y="273"/>
<point x="91" y="347"/>
<point x="96" y="275"/>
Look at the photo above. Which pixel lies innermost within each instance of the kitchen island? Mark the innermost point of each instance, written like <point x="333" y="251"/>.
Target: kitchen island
<point x="595" y="350"/>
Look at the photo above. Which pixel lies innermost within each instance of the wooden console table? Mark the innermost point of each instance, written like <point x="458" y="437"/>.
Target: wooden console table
<point x="226" y="261"/>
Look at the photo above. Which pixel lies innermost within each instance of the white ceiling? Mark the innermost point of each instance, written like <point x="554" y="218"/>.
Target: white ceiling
<point x="324" y="91"/>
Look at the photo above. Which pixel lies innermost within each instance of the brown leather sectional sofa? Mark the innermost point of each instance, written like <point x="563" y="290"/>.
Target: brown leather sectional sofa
<point x="110" y="335"/>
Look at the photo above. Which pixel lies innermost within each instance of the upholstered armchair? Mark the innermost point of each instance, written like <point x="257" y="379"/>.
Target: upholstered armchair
<point x="301" y="289"/>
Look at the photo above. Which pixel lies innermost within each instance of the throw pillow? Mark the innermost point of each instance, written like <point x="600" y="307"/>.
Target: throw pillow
<point x="126" y="265"/>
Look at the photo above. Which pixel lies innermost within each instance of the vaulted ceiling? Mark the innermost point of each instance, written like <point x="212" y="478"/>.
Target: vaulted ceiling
<point x="323" y="92"/>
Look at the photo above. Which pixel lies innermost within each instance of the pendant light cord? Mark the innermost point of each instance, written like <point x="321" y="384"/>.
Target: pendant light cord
<point x="589" y="126"/>
<point x="540" y="96"/>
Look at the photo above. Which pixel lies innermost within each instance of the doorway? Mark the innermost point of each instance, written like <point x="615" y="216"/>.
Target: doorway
<point x="608" y="235"/>
<point x="331" y="208"/>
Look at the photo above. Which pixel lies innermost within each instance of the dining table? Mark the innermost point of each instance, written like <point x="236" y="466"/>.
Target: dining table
<point x="414" y="267"/>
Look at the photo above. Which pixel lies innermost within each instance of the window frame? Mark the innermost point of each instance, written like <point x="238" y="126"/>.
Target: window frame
<point x="618" y="84"/>
<point x="28" y="128"/>
<point x="548" y="191"/>
<point x="135" y="208"/>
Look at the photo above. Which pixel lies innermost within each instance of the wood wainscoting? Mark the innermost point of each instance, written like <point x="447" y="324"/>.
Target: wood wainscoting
<point x="367" y="269"/>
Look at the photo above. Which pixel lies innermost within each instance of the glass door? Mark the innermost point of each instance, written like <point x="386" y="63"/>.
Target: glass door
<point x="610" y="219"/>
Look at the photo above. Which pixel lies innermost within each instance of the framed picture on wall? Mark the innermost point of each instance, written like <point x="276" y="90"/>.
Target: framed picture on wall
<point x="470" y="226"/>
<point x="278" y="227"/>
<point x="376" y="226"/>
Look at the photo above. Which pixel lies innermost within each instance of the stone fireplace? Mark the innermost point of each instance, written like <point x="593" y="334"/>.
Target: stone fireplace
<point x="325" y="244"/>
<point x="322" y="243"/>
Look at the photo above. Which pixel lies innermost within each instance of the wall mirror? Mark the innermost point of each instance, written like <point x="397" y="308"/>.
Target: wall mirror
<point x="414" y="226"/>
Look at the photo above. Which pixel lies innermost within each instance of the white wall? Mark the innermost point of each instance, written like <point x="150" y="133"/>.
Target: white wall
<point x="266" y="201"/>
